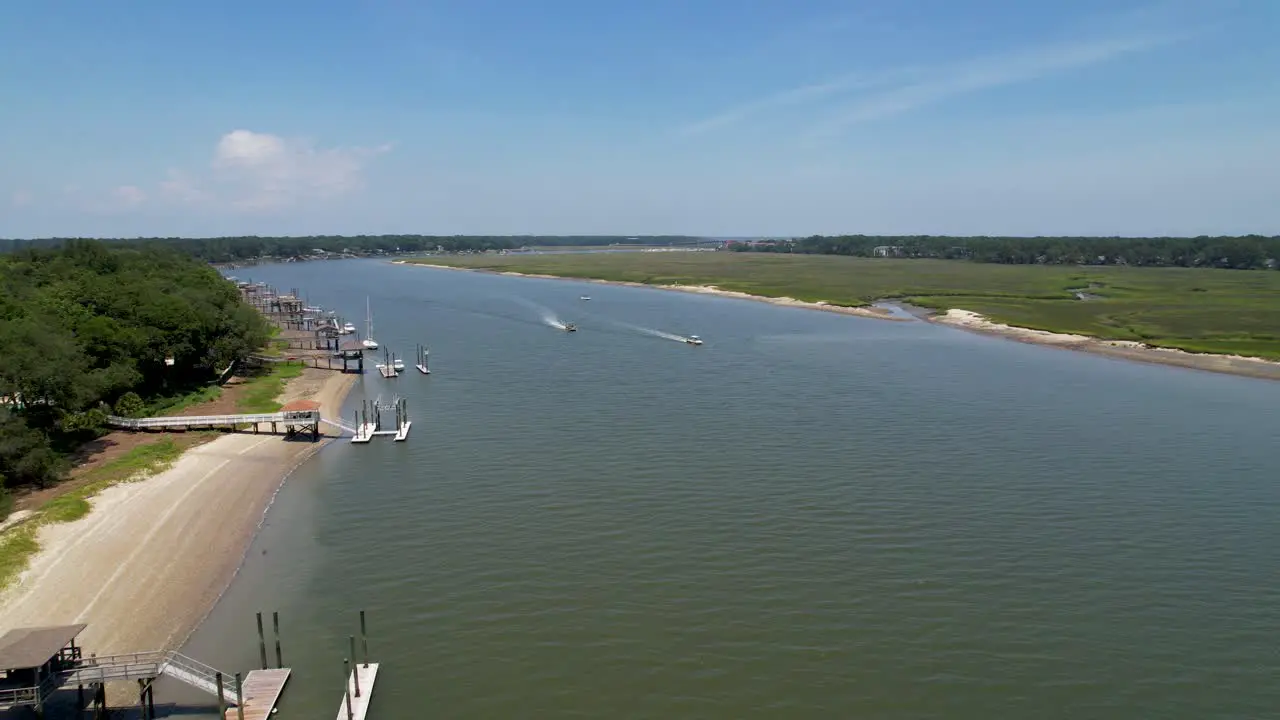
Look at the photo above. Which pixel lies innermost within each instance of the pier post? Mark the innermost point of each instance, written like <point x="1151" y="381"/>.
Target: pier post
<point x="275" y="626"/>
<point x="239" y="697"/>
<point x="346" y="689"/>
<point x="262" y="643"/>
<point x="364" y="640"/>
<point x="222" y="700"/>
<point x="355" y="676"/>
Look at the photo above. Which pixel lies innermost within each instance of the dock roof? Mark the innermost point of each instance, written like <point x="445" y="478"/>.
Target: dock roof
<point x="32" y="647"/>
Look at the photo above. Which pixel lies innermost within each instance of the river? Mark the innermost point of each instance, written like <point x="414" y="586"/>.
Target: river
<point x="811" y="516"/>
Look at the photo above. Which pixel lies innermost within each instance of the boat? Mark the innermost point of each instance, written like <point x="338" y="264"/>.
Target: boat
<point x="570" y="327"/>
<point x="398" y="364"/>
<point x="347" y="329"/>
<point x="368" y="342"/>
<point x="693" y="340"/>
<point x="585" y="297"/>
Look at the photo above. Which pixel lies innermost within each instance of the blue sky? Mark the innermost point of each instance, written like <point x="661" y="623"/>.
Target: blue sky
<point x="714" y="117"/>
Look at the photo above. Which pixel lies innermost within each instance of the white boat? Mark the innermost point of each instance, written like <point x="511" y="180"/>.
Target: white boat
<point x="368" y="341"/>
<point x="585" y="297"/>
<point x="693" y="340"/>
<point x="397" y="364"/>
<point x="347" y="329"/>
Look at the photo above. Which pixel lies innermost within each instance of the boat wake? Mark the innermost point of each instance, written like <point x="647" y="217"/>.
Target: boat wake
<point x="656" y="333"/>
<point x="548" y="317"/>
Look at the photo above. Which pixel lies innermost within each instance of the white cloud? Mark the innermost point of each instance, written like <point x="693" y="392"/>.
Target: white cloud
<point x="260" y="171"/>
<point x="22" y="198"/>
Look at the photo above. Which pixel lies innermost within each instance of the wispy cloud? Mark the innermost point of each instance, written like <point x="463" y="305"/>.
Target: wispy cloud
<point x="794" y="96"/>
<point x="987" y="73"/>
<point x="876" y="95"/>
<point x="22" y="198"/>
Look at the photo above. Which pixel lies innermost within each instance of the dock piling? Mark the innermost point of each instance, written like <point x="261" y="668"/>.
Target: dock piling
<point x="222" y="701"/>
<point x="239" y="697"/>
<point x="275" y="626"/>
<point x="355" y="676"/>
<point x="262" y="643"/>
<point x="346" y="692"/>
<point x="364" y="640"/>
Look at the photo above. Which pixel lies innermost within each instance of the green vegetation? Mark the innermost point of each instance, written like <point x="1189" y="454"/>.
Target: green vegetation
<point x="261" y="391"/>
<point x="1199" y="310"/>
<point x="177" y="403"/>
<point x="140" y="462"/>
<point x="18" y="543"/>
<point x="89" y="328"/>
<point x="1249" y="252"/>
<point x="235" y="249"/>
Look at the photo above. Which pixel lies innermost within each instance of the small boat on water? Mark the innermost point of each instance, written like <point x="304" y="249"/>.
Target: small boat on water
<point x="693" y="340"/>
<point x="397" y="364"/>
<point x="585" y="297"/>
<point x="570" y="327"/>
<point x="347" y="329"/>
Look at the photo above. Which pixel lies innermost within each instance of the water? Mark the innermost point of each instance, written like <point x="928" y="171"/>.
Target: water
<point x="810" y="516"/>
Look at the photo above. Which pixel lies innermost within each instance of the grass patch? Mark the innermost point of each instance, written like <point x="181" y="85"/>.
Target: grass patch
<point x="260" y="392"/>
<point x="178" y="403"/>
<point x="1198" y="310"/>
<point x="18" y="543"/>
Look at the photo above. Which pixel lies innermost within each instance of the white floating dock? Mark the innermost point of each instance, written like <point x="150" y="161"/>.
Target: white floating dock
<point x="423" y="369"/>
<point x="403" y="432"/>
<point x="359" y="705"/>
<point x="364" y="433"/>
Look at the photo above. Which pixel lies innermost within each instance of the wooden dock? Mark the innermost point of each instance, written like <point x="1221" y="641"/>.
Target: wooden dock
<point x="359" y="708"/>
<point x="388" y="371"/>
<point x="262" y="689"/>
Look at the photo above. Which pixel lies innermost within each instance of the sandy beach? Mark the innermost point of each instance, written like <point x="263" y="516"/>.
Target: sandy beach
<point x="967" y="320"/>
<point x="1125" y="349"/>
<point x="149" y="561"/>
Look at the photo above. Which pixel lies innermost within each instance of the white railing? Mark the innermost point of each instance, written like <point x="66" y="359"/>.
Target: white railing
<point x="305" y="416"/>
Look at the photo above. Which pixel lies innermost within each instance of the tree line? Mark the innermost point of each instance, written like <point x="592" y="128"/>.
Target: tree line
<point x="238" y="249"/>
<point x="92" y="328"/>
<point x="1248" y="252"/>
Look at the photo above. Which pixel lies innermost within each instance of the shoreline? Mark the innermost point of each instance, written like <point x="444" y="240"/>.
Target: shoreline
<point x="1239" y="365"/>
<point x="153" y="557"/>
<point x="869" y="311"/>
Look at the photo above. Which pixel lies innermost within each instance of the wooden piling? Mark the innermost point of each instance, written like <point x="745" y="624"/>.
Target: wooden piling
<point x="351" y="640"/>
<point x="275" y="624"/>
<point x="222" y="700"/>
<point x="364" y="640"/>
<point x="239" y="697"/>
<point x="262" y="643"/>
<point x="346" y="687"/>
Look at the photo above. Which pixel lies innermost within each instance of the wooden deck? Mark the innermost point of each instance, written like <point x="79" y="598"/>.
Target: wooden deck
<point x="359" y="705"/>
<point x="262" y="689"/>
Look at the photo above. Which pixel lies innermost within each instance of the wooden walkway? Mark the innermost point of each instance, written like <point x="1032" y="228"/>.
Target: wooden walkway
<point x="262" y="689"/>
